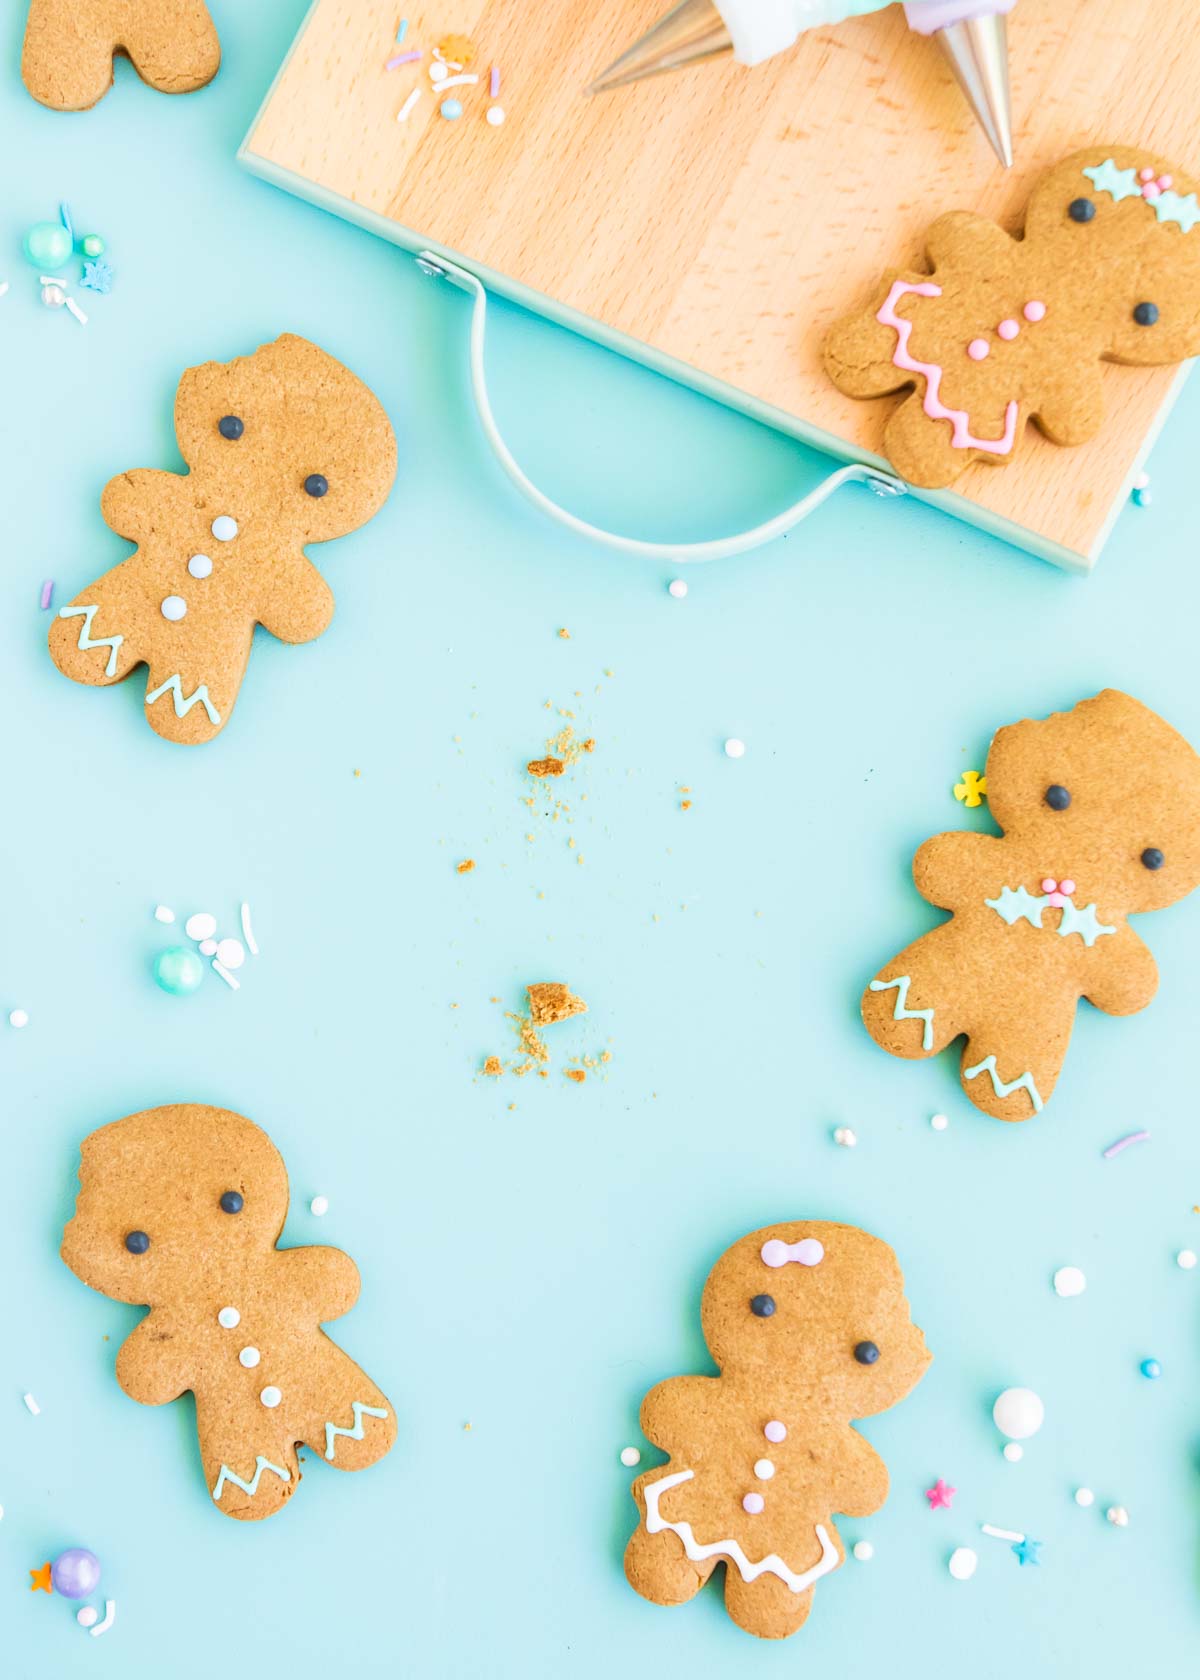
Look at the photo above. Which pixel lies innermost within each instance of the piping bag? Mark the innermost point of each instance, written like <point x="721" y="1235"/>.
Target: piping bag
<point x="973" y="35"/>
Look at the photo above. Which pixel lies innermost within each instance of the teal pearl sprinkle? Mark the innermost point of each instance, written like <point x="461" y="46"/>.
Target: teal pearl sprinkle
<point x="178" y="970"/>
<point x="48" y="246"/>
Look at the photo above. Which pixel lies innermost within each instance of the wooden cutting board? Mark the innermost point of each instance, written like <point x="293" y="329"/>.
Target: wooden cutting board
<point x="713" y="222"/>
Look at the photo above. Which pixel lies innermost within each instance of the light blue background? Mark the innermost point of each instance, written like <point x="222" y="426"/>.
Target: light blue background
<point x="533" y="1269"/>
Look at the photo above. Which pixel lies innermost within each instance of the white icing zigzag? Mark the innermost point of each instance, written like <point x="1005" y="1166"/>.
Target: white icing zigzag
<point x="1025" y="1083"/>
<point x="87" y="614"/>
<point x="251" y="1487"/>
<point x="184" y="703"/>
<point x="902" y="1012"/>
<point x="772" y="1564"/>
<point x="332" y="1430"/>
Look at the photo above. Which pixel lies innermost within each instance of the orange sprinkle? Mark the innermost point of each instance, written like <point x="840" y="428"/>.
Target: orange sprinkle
<point x="466" y="866"/>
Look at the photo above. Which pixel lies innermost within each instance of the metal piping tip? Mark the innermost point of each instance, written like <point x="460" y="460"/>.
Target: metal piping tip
<point x="977" y="51"/>
<point x="691" y="32"/>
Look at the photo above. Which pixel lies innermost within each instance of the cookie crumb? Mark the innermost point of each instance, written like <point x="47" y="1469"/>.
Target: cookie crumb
<point x="576" y="1074"/>
<point x="493" y="1067"/>
<point x="551" y="1001"/>
<point x="564" y="635"/>
<point x="465" y="867"/>
<point x="546" y="767"/>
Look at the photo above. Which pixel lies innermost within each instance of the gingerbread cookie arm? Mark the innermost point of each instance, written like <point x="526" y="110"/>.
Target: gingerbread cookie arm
<point x="1071" y="408"/>
<point x="137" y="502"/>
<point x="950" y="869"/>
<point x="859" y="352"/>
<point x="671" y="1411"/>
<point x="964" y="241"/>
<point x="1123" y="975"/>
<point x="325" y="1280"/>
<point x="152" y="1365"/>
<point x="300" y="605"/>
<point x="861" y="1485"/>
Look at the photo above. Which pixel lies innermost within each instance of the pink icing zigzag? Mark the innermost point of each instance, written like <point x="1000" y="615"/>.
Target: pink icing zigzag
<point x="932" y="402"/>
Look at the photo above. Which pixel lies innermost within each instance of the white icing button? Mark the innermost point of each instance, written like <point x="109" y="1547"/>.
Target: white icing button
<point x="229" y="1318"/>
<point x="200" y="926"/>
<point x="174" y="608"/>
<point x="963" y="1563"/>
<point x="224" y="528"/>
<point x="208" y="947"/>
<point x="231" y="953"/>
<point x="200" y="566"/>
<point x="764" y="1469"/>
<point x="249" y="1357"/>
<point x="775" y="1431"/>
<point x="270" y="1397"/>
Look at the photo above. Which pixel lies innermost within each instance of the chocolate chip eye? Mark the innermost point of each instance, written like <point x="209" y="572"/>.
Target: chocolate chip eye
<point x="1153" y="858"/>
<point x="230" y="427"/>
<point x="866" y="1353"/>
<point x="762" y="1306"/>
<point x="316" y="484"/>
<point x="231" y="1202"/>
<point x="1081" y="209"/>
<point x="137" y="1242"/>
<point x="1145" y="314"/>
<point x="1057" y="797"/>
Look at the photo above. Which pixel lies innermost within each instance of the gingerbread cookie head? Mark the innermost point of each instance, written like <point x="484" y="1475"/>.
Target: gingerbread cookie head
<point x="1118" y="221"/>
<point x="290" y="438"/>
<point x="818" y="1305"/>
<point x="141" y="1225"/>
<point x="1107" y="796"/>
<point x="67" y="62"/>
<point x="285" y="448"/>
<point x="179" y="1210"/>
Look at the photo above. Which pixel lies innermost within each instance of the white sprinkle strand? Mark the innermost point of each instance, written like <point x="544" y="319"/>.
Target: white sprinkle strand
<point x="76" y="311"/>
<point x="248" y="931"/>
<point x="31" y="1405"/>
<point x="456" y="81"/>
<point x="110" y="1616"/>
<point x="403" y="113"/>
<point x="219" y="968"/>
<point x="1002" y="1533"/>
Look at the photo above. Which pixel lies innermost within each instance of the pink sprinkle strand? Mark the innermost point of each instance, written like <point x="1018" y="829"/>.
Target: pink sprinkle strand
<point x="403" y="58"/>
<point x="1123" y="1143"/>
<point x="494" y="81"/>
<point x="47" y="594"/>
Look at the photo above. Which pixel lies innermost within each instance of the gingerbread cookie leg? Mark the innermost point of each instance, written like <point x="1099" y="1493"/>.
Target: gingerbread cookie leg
<point x="67" y="62"/>
<point x="1009" y="1072"/>
<point x="904" y="1008"/>
<point x="173" y="47"/>
<point x="86" y="641"/>
<point x="657" y="1567"/>
<point x="767" y="1607"/>
<point x="246" y="1488"/>
<point x="922" y="446"/>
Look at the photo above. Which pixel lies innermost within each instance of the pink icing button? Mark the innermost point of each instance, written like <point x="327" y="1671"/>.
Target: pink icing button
<point x="1049" y="884"/>
<point x="1166" y="181"/>
<point x="1151" y="190"/>
<point x="978" y="349"/>
<point x="775" y="1431"/>
<point x="1034" y="311"/>
<point x="807" y="1252"/>
<point x="753" y="1502"/>
<point x="1067" y="887"/>
<point x="1009" y="328"/>
<point x="1145" y="174"/>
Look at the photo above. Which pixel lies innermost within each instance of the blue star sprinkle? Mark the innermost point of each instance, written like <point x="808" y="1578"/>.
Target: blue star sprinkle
<point x="1026" y="1551"/>
<point x="97" y="275"/>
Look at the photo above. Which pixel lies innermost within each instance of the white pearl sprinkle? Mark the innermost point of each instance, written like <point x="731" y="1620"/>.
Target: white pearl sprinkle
<point x="1185" y="1259"/>
<point x="319" y="1206"/>
<point x="231" y="953"/>
<point x="208" y="947"/>
<point x="864" y="1551"/>
<point x="735" y="748"/>
<point x="249" y="1357"/>
<point x="229" y="1318"/>
<point x="200" y="566"/>
<point x="630" y="1456"/>
<point x="270" y="1397"/>
<point x="18" y="1018"/>
<point x="1068" y="1281"/>
<point x="438" y="71"/>
<point x="495" y="115"/>
<point x="844" y="1136"/>
<point x="53" y="296"/>
<point x="1084" y="1497"/>
<point x="963" y="1563"/>
<point x="200" y="926"/>
<point x="224" y="528"/>
<point x="163" y="914"/>
<point x="939" y="1122"/>
<point x="1118" y="1516"/>
<point x="1014" y="1453"/>
<point x="764" y="1469"/>
<point x="174" y="608"/>
<point x="87" y="1616"/>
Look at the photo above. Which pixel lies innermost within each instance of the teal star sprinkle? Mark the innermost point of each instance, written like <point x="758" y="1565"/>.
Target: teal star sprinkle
<point x="1118" y="183"/>
<point x="97" y="276"/>
<point x="1026" y="1551"/>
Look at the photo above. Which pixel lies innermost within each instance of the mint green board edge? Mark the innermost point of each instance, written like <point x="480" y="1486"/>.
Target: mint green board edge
<point x="684" y="374"/>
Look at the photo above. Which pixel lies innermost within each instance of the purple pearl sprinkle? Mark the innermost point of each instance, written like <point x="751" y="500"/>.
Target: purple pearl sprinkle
<point x="75" y="1573"/>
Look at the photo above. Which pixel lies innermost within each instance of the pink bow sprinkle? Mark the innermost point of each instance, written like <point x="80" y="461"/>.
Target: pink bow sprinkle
<point x="1058" y="892"/>
<point x="807" y="1252"/>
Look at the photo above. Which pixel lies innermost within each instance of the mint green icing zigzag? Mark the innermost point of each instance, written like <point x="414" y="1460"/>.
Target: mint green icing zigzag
<point x="902" y="1012"/>
<point x="86" y="644"/>
<point x="333" y="1430"/>
<point x="1025" y="1083"/>
<point x="184" y="703"/>
<point x="251" y="1487"/>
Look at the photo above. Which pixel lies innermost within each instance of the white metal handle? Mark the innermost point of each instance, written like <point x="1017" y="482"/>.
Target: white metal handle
<point x="885" y="484"/>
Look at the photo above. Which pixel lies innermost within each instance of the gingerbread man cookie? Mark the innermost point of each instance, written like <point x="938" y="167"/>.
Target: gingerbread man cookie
<point x="180" y="1209"/>
<point x="70" y="45"/>
<point x="1100" y="808"/>
<point x="810" y="1328"/>
<point x="1005" y="330"/>
<point x="285" y="447"/>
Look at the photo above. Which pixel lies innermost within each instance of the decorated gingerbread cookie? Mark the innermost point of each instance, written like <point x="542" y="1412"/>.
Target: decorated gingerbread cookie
<point x="810" y="1328"/>
<point x="1005" y="330"/>
<point x="70" y="45"/>
<point x="285" y="447"/>
<point x="1100" y="808"/>
<point x="179" y="1210"/>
